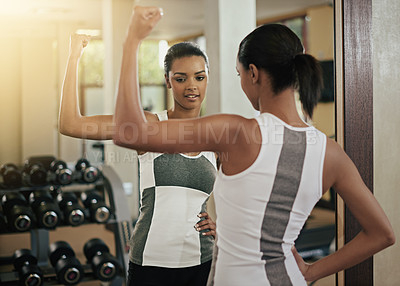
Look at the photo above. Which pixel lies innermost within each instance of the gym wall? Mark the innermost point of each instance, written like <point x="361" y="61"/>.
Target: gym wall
<point x="386" y="86"/>
<point x="30" y="84"/>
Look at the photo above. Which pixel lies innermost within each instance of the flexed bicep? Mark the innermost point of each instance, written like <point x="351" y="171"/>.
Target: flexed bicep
<point x="71" y="122"/>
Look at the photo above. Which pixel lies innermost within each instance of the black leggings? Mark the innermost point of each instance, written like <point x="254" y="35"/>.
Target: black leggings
<point x="160" y="276"/>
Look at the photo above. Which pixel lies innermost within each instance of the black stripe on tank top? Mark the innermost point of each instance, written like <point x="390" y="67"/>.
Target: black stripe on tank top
<point x="206" y="241"/>
<point x="279" y="206"/>
<point x="142" y="227"/>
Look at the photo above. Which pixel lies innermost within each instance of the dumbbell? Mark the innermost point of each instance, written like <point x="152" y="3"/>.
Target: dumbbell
<point x="60" y="173"/>
<point x="46" y="210"/>
<point x="26" y="266"/>
<point x="98" y="210"/>
<point x="34" y="174"/>
<point x="86" y="172"/>
<point x="105" y="266"/>
<point x="10" y="175"/>
<point x="68" y="269"/>
<point x="73" y="213"/>
<point x="3" y="224"/>
<point x="17" y="211"/>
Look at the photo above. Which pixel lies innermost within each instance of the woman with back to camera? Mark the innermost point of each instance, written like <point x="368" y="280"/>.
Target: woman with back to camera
<point x="165" y="248"/>
<point x="274" y="168"/>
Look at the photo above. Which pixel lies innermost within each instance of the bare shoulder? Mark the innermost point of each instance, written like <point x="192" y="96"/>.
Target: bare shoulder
<point x="335" y="159"/>
<point x="333" y="150"/>
<point x="232" y="121"/>
<point x="340" y="169"/>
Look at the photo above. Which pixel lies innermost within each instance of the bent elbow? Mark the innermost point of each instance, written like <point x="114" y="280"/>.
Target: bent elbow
<point x="63" y="129"/>
<point x="387" y="238"/>
<point x="65" y="126"/>
<point x="390" y="239"/>
<point x="66" y="130"/>
<point x="117" y="138"/>
<point x="125" y="137"/>
<point x="123" y="143"/>
<point x="117" y="141"/>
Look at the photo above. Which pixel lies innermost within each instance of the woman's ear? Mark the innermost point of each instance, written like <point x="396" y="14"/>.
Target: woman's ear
<point x="167" y="82"/>
<point x="254" y="73"/>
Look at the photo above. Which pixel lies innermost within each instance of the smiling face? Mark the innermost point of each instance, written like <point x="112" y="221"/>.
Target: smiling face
<point x="188" y="81"/>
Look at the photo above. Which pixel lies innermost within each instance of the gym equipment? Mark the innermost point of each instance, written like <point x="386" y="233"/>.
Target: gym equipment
<point x="104" y="265"/>
<point x="60" y="174"/>
<point x="10" y="175"/>
<point x="45" y="160"/>
<point x="19" y="215"/>
<point x="108" y="190"/>
<point x="34" y="174"/>
<point x="3" y="224"/>
<point x="99" y="146"/>
<point x="68" y="269"/>
<point x="73" y="213"/>
<point x="98" y="210"/>
<point x="86" y="172"/>
<point x="46" y="210"/>
<point x="26" y="265"/>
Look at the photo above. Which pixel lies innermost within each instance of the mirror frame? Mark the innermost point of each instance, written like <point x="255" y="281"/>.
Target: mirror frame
<point x="354" y="115"/>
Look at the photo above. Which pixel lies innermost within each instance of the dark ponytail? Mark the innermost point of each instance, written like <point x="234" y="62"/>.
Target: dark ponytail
<point x="309" y="80"/>
<point x="277" y="50"/>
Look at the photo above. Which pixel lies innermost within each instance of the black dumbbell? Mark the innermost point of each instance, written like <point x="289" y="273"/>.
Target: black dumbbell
<point x="17" y="211"/>
<point x="26" y="266"/>
<point x="34" y="174"/>
<point x="105" y="266"/>
<point x="68" y="269"/>
<point x="46" y="210"/>
<point x="10" y="176"/>
<point x="3" y="224"/>
<point x="98" y="210"/>
<point x="60" y="174"/>
<point x="72" y="211"/>
<point x="86" y="172"/>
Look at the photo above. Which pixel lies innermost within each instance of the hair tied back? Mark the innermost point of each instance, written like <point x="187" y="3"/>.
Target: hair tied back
<point x="296" y="55"/>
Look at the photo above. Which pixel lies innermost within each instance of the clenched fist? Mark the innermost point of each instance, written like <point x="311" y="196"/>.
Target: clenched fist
<point x="77" y="43"/>
<point x="142" y="21"/>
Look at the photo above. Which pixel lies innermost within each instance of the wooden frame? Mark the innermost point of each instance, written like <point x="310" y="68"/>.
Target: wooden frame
<point x="339" y="132"/>
<point x="354" y="111"/>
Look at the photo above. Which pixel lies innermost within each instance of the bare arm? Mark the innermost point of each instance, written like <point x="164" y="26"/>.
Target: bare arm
<point x="210" y="133"/>
<point x="376" y="233"/>
<point x="71" y="122"/>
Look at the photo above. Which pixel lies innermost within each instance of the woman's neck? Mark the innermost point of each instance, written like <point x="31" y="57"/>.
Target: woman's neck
<point x="178" y="113"/>
<point x="283" y="106"/>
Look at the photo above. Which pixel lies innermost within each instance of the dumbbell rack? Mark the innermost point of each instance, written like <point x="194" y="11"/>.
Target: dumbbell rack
<point x="119" y="223"/>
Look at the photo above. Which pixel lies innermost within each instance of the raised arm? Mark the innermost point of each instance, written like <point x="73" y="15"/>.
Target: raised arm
<point x="376" y="233"/>
<point x="70" y="121"/>
<point x="128" y="111"/>
<point x="132" y="130"/>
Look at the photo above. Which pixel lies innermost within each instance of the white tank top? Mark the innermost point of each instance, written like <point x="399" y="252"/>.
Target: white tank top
<point x="261" y="210"/>
<point x="174" y="189"/>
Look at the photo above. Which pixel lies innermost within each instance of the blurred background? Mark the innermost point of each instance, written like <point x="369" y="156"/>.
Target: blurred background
<point x="34" y="44"/>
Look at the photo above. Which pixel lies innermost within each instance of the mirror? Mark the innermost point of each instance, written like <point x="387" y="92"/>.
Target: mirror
<point x="35" y="37"/>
